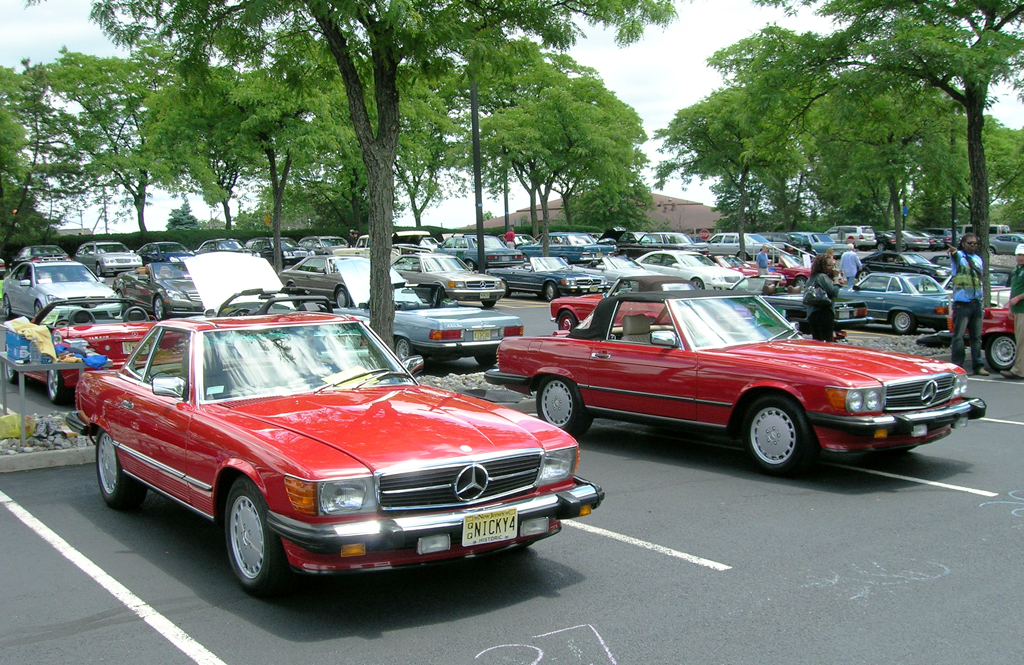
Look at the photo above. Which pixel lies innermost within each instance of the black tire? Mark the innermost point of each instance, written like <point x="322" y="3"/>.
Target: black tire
<point x="778" y="436"/>
<point x="567" y="320"/>
<point x="486" y="359"/>
<point x="56" y="390"/>
<point x="36" y="308"/>
<point x="255" y="553"/>
<point x="880" y="247"/>
<point x="560" y="404"/>
<point x="799" y="281"/>
<point x="488" y="304"/>
<point x="508" y="291"/>
<point x="1001" y="351"/>
<point x="470" y="264"/>
<point x="903" y="323"/>
<point x="8" y="313"/>
<point x="119" y="490"/>
<point x="549" y="291"/>
<point x="341" y="298"/>
<point x="159" y="308"/>
<point x="403" y="348"/>
<point x="698" y="283"/>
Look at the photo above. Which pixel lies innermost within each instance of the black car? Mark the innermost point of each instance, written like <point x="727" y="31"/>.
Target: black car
<point x="290" y="252"/>
<point x="163" y="252"/>
<point x="221" y="245"/>
<point x="636" y="243"/>
<point x="886" y="261"/>
<point x="165" y="289"/>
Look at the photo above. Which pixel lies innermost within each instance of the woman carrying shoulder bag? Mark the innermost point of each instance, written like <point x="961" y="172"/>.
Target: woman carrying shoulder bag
<point x="820" y="297"/>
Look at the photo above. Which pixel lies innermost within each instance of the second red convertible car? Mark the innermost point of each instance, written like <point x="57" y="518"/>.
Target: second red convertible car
<point x="317" y="450"/>
<point x="731" y="364"/>
<point x="570" y="310"/>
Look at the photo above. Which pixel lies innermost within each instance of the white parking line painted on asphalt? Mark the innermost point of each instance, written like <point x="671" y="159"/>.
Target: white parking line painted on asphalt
<point x="707" y="563"/>
<point x="194" y="650"/>
<point x="920" y="481"/>
<point x="1001" y="422"/>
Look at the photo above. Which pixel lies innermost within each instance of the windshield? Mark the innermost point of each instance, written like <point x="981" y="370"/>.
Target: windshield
<point x="412" y="297"/>
<point x="789" y="261"/>
<point x="287" y="243"/>
<point x="678" y="239"/>
<point x="443" y="264"/>
<point x="47" y="250"/>
<point x="110" y="248"/>
<point x="63" y="273"/>
<point x="333" y="241"/>
<point x="229" y="245"/>
<point x="169" y="271"/>
<point x="86" y="313"/>
<point x="917" y="260"/>
<point x="171" y="247"/>
<point x="621" y="263"/>
<point x="821" y="237"/>
<point x="490" y="242"/>
<point x="715" y="323"/>
<point x="546" y="263"/>
<point x="288" y="360"/>
<point x="925" y="285"/>
<point x="694" y="260"/>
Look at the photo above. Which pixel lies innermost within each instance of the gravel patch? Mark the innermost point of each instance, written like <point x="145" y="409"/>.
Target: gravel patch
<point x="50" y="434"/>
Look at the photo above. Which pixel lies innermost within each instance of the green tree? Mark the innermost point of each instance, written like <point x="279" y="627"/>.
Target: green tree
<point x="182" y="218"/>
<point x="370" y="42"/>
<point x="960" y="47"/>
<point x="106" y="99"/>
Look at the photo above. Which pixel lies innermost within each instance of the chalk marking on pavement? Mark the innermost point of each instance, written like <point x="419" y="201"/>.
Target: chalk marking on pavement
<point x="921" y="481"/>
<point x="191" y="648"/>
<point x="707" y="563"/>
<point x="1002" y="422"/>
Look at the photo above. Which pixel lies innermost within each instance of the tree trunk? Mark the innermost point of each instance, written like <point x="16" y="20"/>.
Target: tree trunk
<point x="379" y="149"/>
<point x="226" y="204"/>
<point x="545" y="192"/>
<point x="975" y="96"/>
<point x="277" y="186"/>
<point x="139" y="199"/>
<point x="533" y="212"/>
<point x="741" y="219"/>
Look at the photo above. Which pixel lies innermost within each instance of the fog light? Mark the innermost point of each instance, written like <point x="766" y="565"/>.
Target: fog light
<point x="960" y="422"/>
<point x="431" y="544"/>
<point x="585" y="510"/>
<point x="881" y="433"/>
<point x="353" y="549"/>
<point x="534" y="527"/>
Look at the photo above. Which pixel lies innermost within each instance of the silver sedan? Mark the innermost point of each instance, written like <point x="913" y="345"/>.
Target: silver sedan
<point x="459" y="282"/>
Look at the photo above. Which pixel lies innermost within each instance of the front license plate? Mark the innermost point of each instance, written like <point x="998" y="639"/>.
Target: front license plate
<point x="919" y="430"/>
<point x="128" y="347"/>
<point x="490" y="527"/>
<point x="481" y="335"/>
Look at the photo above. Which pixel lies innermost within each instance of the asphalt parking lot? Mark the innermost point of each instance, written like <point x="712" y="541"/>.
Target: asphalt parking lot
<point x="694" y="557"/>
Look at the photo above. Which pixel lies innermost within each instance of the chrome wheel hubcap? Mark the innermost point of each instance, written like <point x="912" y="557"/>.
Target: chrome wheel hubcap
<point x="107" y="456"/>
<point x="557" y="403"/>
<point x="247" y="537"/>
<point x="774" y="435"/>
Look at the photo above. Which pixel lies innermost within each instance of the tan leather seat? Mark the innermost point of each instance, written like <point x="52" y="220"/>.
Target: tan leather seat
<point x="636" y="328"/>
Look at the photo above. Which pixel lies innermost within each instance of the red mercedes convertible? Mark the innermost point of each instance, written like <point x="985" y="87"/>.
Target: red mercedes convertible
<point x="731" y="364"/>
<point x="318" y="451"/>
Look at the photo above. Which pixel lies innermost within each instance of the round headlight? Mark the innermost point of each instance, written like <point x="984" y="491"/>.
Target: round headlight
<point x="854" y="401"/>
<point x="873" y="400"/>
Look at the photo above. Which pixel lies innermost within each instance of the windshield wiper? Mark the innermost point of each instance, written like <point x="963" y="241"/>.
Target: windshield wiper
<point x="787" y="333"/>
<point x="372" y="375"/>
<point x="379" y="374"/>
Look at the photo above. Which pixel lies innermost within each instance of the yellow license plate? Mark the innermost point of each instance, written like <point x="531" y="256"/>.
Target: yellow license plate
<point x="481" y="335"/>
<point x="491" y="527"/>
<point x="128" y="347"/>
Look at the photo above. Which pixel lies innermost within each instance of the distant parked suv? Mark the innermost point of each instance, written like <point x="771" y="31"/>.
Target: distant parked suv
<point x="863" y="236"/>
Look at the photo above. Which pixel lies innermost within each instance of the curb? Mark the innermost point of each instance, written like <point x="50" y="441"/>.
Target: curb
<point x="47" y="459"/>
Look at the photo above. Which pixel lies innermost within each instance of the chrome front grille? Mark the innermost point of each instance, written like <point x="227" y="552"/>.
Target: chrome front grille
<point x="435" y="487"/>
<point x="918" y="393"/>
<point x="481" y="284"/>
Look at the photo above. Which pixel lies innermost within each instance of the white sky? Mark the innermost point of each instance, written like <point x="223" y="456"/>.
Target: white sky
<point x="664" y="72"/>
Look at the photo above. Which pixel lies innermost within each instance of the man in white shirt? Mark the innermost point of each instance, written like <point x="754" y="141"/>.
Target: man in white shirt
<point x="850" y="263"/>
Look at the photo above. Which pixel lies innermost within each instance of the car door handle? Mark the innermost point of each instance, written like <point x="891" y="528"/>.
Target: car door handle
<point x="600" y="355"/>
<point x="126" y="404"/>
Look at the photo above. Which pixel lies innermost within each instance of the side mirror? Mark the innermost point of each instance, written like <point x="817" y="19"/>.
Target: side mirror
<point x="169" y="386"/>
<point x="665" y="338"/>
<point x="414" y="364"/>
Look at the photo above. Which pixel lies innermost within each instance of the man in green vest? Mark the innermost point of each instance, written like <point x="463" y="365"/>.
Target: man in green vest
<point x="1016" y="306"/>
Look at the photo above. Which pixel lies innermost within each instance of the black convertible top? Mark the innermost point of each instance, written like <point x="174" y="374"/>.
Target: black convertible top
<point x="602" y="316"/>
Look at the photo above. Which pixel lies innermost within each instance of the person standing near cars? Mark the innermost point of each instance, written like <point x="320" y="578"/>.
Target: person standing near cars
<point x="353" y="237"/>
<point x="821" y="317"/>
<point x="850" y="263"/>
<point x="1016" y="305"/>
<point x="762" y="260"/>
<point x="510" y="239"/>
<point x="968" y="292"/>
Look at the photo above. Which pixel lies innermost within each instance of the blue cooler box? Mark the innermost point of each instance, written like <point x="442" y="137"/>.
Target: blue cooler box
<point x="19" y="348"/>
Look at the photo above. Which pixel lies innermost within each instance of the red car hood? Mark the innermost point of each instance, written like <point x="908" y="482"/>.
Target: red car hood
<point x="382" y="427"/>
<point x="838" y="362"/>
